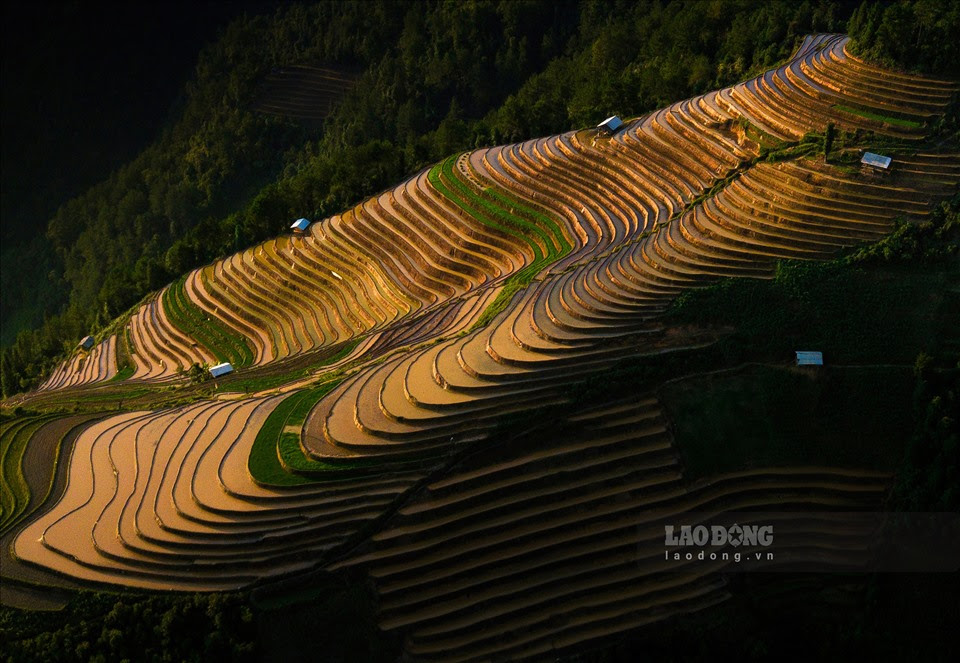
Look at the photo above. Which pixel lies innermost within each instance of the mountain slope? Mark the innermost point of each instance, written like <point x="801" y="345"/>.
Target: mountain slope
<point x="395" y="339"/>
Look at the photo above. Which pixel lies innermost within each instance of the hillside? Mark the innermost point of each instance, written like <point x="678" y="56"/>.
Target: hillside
<point x="431" y="79"/>
<point x="712" y="186"/>
<point x="452" y="390"/>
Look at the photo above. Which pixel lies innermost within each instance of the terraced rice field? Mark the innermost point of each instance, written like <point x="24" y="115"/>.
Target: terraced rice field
<point x="85" y="367"/>
<point x="531" y="552"/>
<point x="44" y="467"/>
<point x="304" y="92"/>
<point x="169" y="504"/>
<point x="480" y="288"/>
<point x="14" y="490"/>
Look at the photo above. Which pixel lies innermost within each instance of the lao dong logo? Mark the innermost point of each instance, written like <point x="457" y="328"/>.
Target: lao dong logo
<point x="716" y="536"/>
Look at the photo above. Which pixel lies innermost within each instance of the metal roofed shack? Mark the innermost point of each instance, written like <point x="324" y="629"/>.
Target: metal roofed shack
<point x="300" y="225"/>
<point x="809" y="358"/>
<point x="611" y="125"/>
<point x="221" y="369"/>
<point x="876" y="162"/>
<point x="86" y="343"/>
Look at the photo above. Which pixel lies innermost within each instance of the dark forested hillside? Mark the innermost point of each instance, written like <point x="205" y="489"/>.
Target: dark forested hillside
<point x="430" y="78"/>
<point x="916" y="36"/>
<point x="86" y="87"/>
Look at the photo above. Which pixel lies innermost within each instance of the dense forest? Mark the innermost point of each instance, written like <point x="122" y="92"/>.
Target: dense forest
<point x="916" y="36"/>
<point x="431" y="78"/>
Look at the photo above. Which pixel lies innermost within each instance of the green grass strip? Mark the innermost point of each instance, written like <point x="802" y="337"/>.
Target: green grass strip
<point x="511" y="287"/>
<point x="125" y="365"/>
<point x="255" y="384"/>
<point x="496" y="209"/>
<point x="484" y="211"/>
<point x="273" y="442"/>
<point x="896" y="121"/>
<point x="264" y="462"/>
<point x="288" y="444"/>
<point x="222" y="342"/>
<point x="9" y="487"/>
<point x="14" y="491"/>
<point x="124" y="373"/>
<point x="88" y="398"/>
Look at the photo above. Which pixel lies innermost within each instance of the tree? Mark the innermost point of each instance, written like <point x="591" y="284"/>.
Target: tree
<point x="828" y="140"/>
<point x="8" y="381"/>
<point x="197" y="374"/>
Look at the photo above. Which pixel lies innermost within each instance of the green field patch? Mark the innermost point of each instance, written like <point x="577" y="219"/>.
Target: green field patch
<point x="277" y="458"/>
<point x="14" y="490"/>
<point x="222" y="342"/>
<point x="264" y="462"/>
<point x="496" y="209"/>
<point x="124" y="373"/>
<point x="254" y="384"/>
<point x="500" y="303"/>
<point x="125" y="365"/>
<point x="289" y="444"/>
<point x="759" y="136"/>
<point x="769" y="416"/>
<point x="106" y="396"/>
<point x="870" y="115"/>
